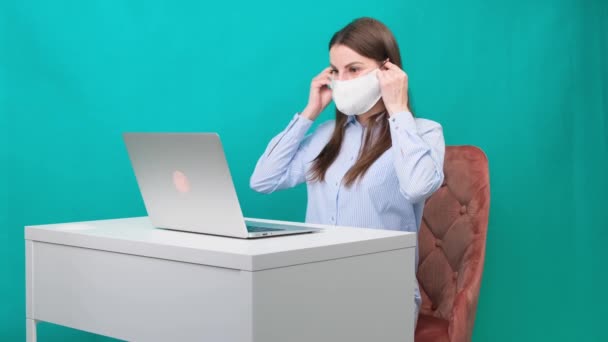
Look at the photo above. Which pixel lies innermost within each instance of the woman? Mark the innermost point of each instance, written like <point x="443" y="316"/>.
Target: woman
<point x="375" y="164"/>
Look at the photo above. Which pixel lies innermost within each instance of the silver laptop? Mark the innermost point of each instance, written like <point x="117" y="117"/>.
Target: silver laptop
<point x="186" y="185"/>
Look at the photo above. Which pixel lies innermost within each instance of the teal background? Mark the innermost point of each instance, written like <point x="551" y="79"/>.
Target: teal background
<point x="524" y="80"/>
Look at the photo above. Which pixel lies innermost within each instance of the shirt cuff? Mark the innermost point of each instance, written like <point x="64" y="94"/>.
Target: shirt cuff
<point x="304" y="119"/>
<point x="402" y="121"/>
<point x="298" y="126"/>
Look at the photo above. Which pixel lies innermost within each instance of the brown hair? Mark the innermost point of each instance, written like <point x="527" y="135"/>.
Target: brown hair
<point x="372" y="39"/>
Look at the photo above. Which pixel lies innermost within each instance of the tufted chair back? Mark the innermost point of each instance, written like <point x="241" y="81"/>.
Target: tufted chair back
<point x="452" y="242"/>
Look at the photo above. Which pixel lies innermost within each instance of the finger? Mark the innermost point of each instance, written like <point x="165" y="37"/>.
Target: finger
<point x="386" y="71"/>
<point x="394" y="68"/>
<point x="384" y="79"/>
<point x="391" y="66"/>
<point x="320" y="82"/>
<point x="326" y="71"/>
<point x="382" y="66"/>
<point x="394" y="73"/>
<point x="386" y="74"/>
<point x="322" y="78"/>
<point x="325" y="74"/>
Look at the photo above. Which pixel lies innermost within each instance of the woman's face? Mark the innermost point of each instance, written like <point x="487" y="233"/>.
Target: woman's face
<point x="346" y="64"/>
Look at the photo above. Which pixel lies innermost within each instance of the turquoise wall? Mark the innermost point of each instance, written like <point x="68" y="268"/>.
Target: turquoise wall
<point x="527" y="81"/>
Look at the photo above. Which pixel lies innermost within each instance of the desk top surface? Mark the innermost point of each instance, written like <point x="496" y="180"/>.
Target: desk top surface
<point x="137" y="236"/>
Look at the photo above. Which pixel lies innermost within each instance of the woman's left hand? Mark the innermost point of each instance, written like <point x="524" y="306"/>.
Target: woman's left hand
<point x="393" y="85"/>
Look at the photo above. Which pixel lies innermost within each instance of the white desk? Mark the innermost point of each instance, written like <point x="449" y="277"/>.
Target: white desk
<point x="126" y="279"/>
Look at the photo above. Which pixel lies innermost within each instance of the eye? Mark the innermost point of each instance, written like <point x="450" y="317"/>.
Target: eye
<point x="353" y="69"/>
<point x="333" y="71"/>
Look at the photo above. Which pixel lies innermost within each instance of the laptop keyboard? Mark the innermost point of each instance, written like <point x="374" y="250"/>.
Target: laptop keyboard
<point x="254" y="229"/>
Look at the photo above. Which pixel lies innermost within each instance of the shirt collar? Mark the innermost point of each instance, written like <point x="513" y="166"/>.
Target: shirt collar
<point x="350" y="119"/>
<point x="353" y="119"/>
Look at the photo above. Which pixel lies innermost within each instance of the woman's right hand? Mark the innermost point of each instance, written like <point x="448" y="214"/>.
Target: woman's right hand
<point x="320" y="95"/>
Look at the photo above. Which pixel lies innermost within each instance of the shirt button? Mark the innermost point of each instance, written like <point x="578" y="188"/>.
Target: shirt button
<point x="337" y="183"/>
<point x="332" y="219"/>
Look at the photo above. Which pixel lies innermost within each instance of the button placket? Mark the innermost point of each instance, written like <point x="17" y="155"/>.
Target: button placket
<point x="333" y="216"/>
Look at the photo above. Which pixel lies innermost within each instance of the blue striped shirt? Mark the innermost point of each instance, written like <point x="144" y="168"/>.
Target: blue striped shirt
<point x="391" y="193"/>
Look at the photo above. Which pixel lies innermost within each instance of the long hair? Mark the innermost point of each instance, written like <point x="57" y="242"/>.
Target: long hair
<point x="372" y="39"/>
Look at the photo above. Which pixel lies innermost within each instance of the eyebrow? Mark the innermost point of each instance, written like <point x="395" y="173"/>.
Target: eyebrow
<point x="347" y="65"/>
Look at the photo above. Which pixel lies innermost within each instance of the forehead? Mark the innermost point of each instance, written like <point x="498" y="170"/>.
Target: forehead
<point x="342" y="55"/>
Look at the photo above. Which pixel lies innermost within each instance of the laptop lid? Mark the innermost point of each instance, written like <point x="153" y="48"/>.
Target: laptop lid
<point x="185" y="182"/>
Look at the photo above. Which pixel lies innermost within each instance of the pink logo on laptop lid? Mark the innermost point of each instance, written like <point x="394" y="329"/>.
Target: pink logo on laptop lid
<point x="181" y="182"/>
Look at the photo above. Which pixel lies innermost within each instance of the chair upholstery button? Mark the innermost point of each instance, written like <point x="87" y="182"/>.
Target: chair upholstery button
<point x="455" y="276"/>
<point x="437" y="243"/>
<point x="463" y="210"/>
<point x="434" y="307"/>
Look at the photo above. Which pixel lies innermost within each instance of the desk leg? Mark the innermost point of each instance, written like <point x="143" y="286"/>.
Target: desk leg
<point x="30" y="326"/>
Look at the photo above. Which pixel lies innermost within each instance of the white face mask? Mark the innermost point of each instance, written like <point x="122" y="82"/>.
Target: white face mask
<point x="356" y="96"/>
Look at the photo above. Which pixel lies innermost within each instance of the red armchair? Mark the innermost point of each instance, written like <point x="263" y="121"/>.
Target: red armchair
<point x="452" y="242"/>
